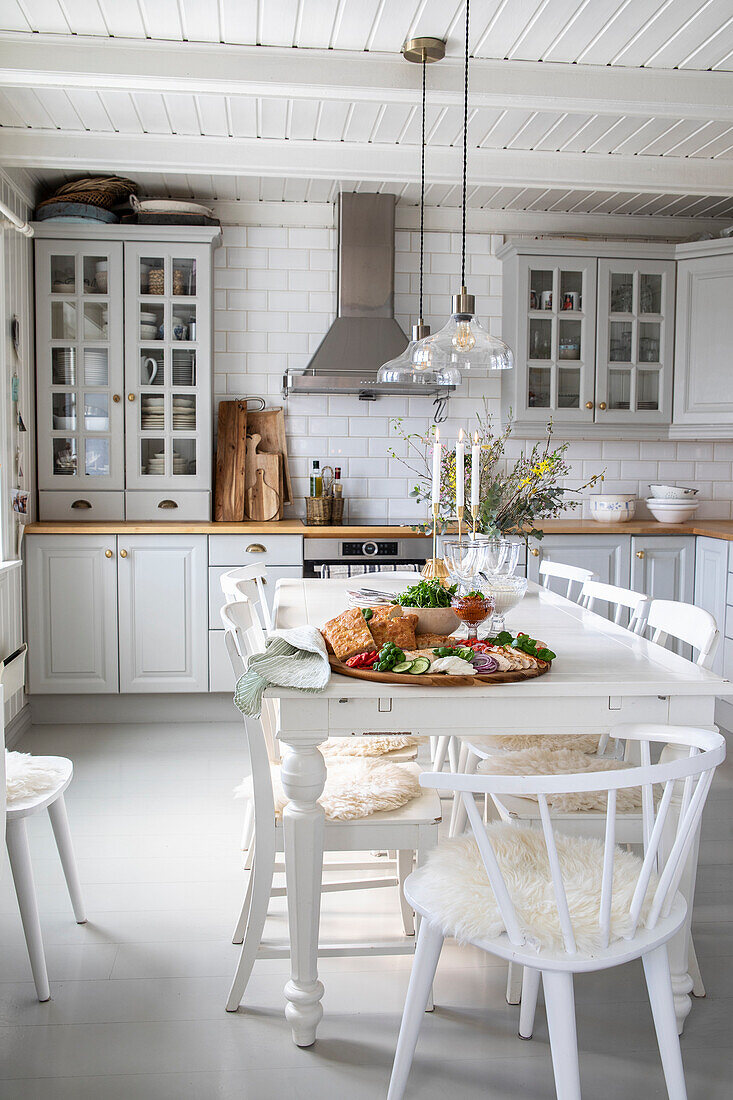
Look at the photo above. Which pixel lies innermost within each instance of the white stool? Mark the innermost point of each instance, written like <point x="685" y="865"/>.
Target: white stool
<point x="16" y="838"/>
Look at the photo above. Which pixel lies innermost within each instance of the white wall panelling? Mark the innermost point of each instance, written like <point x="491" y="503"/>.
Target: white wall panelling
<point x="16" y="291"/>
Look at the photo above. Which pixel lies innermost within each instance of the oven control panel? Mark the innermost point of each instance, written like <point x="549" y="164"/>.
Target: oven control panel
<point x="369" y="549"/>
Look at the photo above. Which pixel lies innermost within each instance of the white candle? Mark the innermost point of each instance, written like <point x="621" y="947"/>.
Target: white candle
<point x="460" y="475"/>
<point x="436" y="467"/>
<point x="475" y="472"/>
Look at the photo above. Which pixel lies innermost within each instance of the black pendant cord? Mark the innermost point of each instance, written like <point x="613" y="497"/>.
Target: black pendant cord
<point x="465" y="157"/>
<point x="422" y="185"/>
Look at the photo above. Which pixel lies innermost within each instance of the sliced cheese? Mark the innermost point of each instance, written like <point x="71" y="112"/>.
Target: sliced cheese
<point x="455" y="666"/>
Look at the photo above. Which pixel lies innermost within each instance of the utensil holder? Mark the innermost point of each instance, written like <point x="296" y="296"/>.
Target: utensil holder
<point x="318" y="511"/>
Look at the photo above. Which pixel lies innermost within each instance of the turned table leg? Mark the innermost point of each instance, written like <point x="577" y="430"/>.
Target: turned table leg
<point x="303" y="775"/>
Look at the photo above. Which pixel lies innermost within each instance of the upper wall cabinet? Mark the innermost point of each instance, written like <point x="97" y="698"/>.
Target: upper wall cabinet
<point x="703" y="398"/>
<point x="592" y="329"/>
<point x="124" y="371"/>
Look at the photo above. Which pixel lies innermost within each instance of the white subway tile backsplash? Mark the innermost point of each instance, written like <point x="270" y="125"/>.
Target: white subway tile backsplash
<point x="267" y="237"/>
<point x="275" y="298"/>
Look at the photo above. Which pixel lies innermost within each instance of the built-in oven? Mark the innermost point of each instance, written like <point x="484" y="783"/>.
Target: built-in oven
<point x="352" y="557"/>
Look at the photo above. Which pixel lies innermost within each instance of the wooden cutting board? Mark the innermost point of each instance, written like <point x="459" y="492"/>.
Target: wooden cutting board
<point x="269" y="424"/>
<point x="231" y="443"/>
<point x="438" y="679"/>
<point x="263" y="476"/>
<point x="263" y="500"/>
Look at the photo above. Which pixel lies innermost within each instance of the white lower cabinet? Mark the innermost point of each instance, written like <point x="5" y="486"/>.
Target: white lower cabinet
<point x="117" y="613"/>
<point x="663" y="567"/>
<point x="711" y="584"/>
<point x="606" y="555"/>
<point x="71" y="600"/>
<point x="162" y="613"/>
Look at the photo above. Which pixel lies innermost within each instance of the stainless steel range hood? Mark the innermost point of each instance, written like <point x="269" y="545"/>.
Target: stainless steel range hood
<point x="365" y="334"/>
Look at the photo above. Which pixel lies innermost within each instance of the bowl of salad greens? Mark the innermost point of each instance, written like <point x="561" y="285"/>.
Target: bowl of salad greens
<point x="430" y="601"/>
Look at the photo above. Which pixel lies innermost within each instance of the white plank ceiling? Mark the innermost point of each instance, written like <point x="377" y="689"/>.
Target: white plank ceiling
<point x="612" y="107"/>
<point x="669" y="34"/>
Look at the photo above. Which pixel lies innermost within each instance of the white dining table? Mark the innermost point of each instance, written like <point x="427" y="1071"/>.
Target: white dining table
<point x="603" y="676"/>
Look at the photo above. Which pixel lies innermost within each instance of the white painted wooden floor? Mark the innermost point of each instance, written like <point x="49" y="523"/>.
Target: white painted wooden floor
<point x="137" y="1007"/>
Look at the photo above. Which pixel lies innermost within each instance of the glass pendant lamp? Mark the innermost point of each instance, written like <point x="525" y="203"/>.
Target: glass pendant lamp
<point x="405" y="368"/>
<point x="463" y="343"/>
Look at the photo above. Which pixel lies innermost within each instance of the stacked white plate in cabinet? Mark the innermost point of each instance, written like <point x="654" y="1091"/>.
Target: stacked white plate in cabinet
<point x="184" y="412"/>
<point x="95" y="367"/>
<point x="152" y="412"/>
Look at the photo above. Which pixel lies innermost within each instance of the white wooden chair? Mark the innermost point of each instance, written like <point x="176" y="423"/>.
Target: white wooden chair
<point x="410" y="831"/>
<point x="571" y="574"/>
<point x="686" y="623"/>
<point x="18" y="810"/>
<point x="248" y="582"/>
<point x="622" y="600"/>
<point x="648" y="913"/>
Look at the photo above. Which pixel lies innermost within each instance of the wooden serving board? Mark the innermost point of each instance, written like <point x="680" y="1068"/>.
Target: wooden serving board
<point x="231" y="442"/>
<point x="270" y="426"/>
<point x="437" y="679"/>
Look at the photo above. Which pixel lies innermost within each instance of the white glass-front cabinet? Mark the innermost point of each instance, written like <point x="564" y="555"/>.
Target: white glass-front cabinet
<point x="592" y="330"/>
<point x="168" y="378"/>
<point x="124" y="372"/>
<point x="79" y="357"/>
<point x="635" y="341"/>
<point x="555" y="332"/>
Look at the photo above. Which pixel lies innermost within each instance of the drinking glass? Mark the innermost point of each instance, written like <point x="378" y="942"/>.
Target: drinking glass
<point x="465" y="560"/>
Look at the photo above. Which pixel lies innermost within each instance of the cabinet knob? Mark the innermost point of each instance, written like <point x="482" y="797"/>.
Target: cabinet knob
<point x="131" y="397"/>
<point x="589" y="404"/>
<point x="535" y="552"/>
<point x="601" y="404"/>
<point x="123" y="553"/>
<point x="255" y="548"/>
<point x="116" y="398"/>
<point x="108" y="553"/>
<point x="640" y="554"/>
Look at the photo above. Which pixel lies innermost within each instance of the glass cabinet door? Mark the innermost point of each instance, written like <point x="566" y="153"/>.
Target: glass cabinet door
<point x="634" y="354"/>
<point x="80" y="364"/>
<point x="555" y="356"/>
<point x="167" y="372"/>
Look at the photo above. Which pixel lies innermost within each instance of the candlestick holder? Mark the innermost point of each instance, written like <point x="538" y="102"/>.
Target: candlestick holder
<point x="460" y="510"/>
<point x="434" y="567"/>
<point x="475" y="509"/>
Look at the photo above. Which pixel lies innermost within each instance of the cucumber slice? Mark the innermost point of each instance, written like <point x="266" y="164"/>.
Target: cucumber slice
<point x="405" y="666"/>
<point x="419" y="665"/>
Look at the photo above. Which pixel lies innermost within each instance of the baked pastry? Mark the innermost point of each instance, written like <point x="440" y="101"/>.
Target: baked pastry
<point x="349" y="634"/>
<point x="431" y="641"/>
<point x="386" y="611"/>
<point x="401" y="631"/>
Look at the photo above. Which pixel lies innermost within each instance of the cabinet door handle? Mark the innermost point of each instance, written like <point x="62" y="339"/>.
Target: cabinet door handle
<point x="255" y="548"/>
<point x="640" y="554"/>
<point x="131" y="397"/>
<point x="601" y="404"/>
<point x="535" y="552"/>
<point x="108" y="554"/>
<point x="116" y="398"/>
<point x="167" y="504"/>
<point x="123" y="553"/>
<point x="589" y="404"/>
<point x="81" y="504"/>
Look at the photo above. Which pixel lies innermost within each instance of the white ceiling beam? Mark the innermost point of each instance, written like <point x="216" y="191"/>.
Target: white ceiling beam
<point x="448" y="219"/>
<point x="64" y="61"/>
<point x="340" y="160"/>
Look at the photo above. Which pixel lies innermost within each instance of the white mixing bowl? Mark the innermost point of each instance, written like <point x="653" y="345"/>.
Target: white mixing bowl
<point x="612" y="508"/>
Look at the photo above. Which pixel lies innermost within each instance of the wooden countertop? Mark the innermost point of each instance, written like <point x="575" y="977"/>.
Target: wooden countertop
<point x="715" y="529"/>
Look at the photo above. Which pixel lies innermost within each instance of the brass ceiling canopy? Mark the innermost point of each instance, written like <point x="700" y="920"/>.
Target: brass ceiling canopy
<point x="424" y="49"/>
